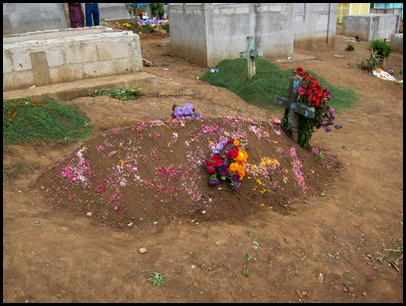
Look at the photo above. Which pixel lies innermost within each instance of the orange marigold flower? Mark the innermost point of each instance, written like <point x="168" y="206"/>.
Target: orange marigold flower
<point x="233" y="167"/>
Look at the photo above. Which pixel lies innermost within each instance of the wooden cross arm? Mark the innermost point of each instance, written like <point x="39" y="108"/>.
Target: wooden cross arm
<point x="256" y="53"/>
<point x="252" y="53"/>
<point x="297" y="107"/>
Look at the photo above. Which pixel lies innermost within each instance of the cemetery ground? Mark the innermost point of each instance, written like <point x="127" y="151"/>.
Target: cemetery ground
<point x="344" y="244"/>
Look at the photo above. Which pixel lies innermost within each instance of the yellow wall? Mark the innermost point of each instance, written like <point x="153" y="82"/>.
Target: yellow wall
<point x="344" y="9"/>
<point x="359" y="8"/>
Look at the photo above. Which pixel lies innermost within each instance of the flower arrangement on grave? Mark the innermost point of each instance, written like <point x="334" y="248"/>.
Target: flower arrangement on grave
<point x="128" y="25"/>
<point x="227" y="162"/>
<point x="313" y="94"/>
<point x="186" y="111"/>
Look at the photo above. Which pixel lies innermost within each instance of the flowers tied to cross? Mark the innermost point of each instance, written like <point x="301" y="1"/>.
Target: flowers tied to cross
<point x="227" y="162"/>
<point x="312" y="93"/>
<point x="187" y="111"/>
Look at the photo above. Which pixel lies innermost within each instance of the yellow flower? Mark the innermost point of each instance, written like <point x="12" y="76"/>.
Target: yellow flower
<point x="242" y="156"/>
<point x="236" y="142"/>
<point x="262" y="205"/>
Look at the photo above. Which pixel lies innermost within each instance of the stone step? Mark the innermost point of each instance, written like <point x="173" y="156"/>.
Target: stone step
<point x="81" y="88"/>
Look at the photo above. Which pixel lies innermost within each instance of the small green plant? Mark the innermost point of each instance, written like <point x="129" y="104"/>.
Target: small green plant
<point x="248" y="260"/>
<point x="250" y="232"/>
<point x="371" y="63"/>
<point x="381" y="47"/>
<point x="123" y="94"/>
<point x="156" y="278"/>
<point x="380" y="51"/>
<point x="320" y="156"/>
<point x="350" y="47"/>
<point x="157" y="9"/>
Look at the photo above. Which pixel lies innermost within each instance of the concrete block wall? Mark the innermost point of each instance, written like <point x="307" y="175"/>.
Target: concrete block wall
<point x="396" y="42"/>
<point x="113" y="11"/>
<point x="372" y="26"/>
<point x="207" y="33"/>
<point x="398" y="11"/>
<point x="30" y="17"/>
<point x="58" y="56"/>
<point x="315" y="25"/>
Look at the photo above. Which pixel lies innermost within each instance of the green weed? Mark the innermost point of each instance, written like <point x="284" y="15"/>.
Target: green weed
<point x="124" y="94"/>
<point x="248" y="259"/>
<point x="156" y="278"/>
<point x="350" y="47"/>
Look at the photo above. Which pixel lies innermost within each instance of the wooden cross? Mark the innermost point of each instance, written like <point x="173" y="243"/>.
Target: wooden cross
<point x="251" y="54"/>
<point x="295" y="108"/>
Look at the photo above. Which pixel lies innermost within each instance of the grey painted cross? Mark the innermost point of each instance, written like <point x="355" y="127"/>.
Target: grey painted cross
<point x="294" y="108"/>
<point x="251" y="54"/>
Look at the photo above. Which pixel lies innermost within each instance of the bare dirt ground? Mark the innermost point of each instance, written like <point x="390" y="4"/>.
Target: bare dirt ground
<point x="345" y="246"/>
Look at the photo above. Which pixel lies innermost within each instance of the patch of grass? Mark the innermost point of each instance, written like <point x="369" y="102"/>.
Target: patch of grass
<point x="10" y="172"/>
<point x="124" y="94"/>
<point x="156" y="278"/>
<point x="268" y="82"/>
<point x="29" y="120"/>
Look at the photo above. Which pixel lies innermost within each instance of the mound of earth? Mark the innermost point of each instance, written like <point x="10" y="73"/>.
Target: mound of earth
<point x="154" y="172"/>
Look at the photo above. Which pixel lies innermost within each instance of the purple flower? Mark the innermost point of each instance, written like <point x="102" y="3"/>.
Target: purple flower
<point x="235" y="177"/>
<point x="236" y="186"/>
<point x="214" y="182"/>
<point x="223" y="171"/>
<point x="220" y="147"/>
<point x="188" y="109"/>
<point x="179" y="112"/>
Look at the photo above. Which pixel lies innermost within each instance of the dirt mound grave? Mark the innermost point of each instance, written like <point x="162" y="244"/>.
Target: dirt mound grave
<point x="155" y="172"/>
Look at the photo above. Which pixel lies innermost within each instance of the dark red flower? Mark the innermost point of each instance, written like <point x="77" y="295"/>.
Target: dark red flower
<point x="300" y="71"/>
<point x="211" y="169"/>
